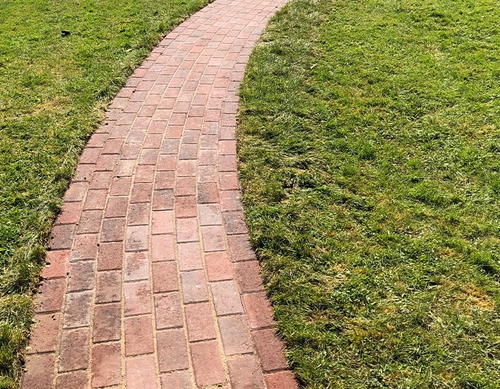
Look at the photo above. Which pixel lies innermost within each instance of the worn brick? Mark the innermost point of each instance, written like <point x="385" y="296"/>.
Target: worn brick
<point x="90" y="222"/>
<point x="213" y="238"/>
<point x="81" y="276"/>
<point x="248" y="276"/>
<point x="194" y="287"/>
<point x="162" y="222"/>
<point x="162" y="248"/>
<point x="116" y="207"/>
<point x="39" y="371"/>
<point x="51" y="295"/>
<point x="110" y="256"/>
<point x="74" y="352"/>
<point x="172" y="350"/>
<point x="57" y="264"/>
<point x="61" y="237"/>
<point x="113" y="230"/>
<point x="138" y="335"/>
<point x="44" y="333"/>
<point x="141" y="192"/>
<point x="108" y="287"/>
<point x="218" y="265"/>
<point x="137" y="296"/>
<point x="165" y="277"/>
<point x="245" y="373"/>
<point x="107" y="323"/>
<point x="185" y="207"/>
<point x="189" y="255"/>
<point x="164" y="180"/>
<point x="163" y="200"/>
<point x="74" y="380"/>
<point x="270" y="349"/>
<point x="137" y="238"/>
<point x="168" y="311"/>
<point x="141" y="373"/>
<point x="106" y="365"/>
<point x="258" y="310"/>
<point x="226" y="298"/>
<point x="136" y="266"/>
<point x="77" y="309"/>
<point x="70" y="213"/>
<point x="210" y="214"/>
<point x="177" y="380"/>
<point x="207" y="364"/>
<point x="281" y="380"/>
<point x="187" y="230"/>
<point x="200" y="322"/>
<point x="240" y="248"/>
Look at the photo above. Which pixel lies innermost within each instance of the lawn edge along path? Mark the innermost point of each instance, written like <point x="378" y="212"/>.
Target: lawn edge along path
<point x="151" y="279"/>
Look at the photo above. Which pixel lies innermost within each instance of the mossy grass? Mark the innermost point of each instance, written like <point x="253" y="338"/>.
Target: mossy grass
<point x="54" y="88"/>
<point x="369" y="147"/>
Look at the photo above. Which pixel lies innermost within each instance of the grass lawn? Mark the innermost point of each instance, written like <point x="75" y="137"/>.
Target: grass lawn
<point x="53" y="93"/>
<point x="369" y="146"/>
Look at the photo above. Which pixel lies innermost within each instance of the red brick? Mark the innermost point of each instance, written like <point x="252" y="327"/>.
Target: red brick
<point x="107" y="322"/>
<point x="90" y="155"/>
<point x="84" y="247"/>
<point x="162" y="248"/>
<point x="136" y="266"/>
<point x="164" y="180"/>
<point x="113" y="230"/>
<point x="70" y="213"/>
<point x="51" y="295"/>
<point x="258" y="310"/>
<point x="81" y="276"/>
<point x="219" y="267"/>
<point x="227" y="163"/>
<point x="163" y="222"/>
<point x="193" y="135"/>
<point x="77" y="309"/>
<point x="187" y="230"/>
<point x="153" y="141"/>
<point x="194" y="286"/>
<point x="207" y="174"/>
<point x="186" y="168"/>
<point x="248" y="276"/>
<point x="141" y="373"/>
<point x="167" y="162"/>
<point x="130" y="151"/>
<point x="125" y="168"/>
<point x="117" y="207"/>
<point x="228" y="181"/>
<point x="226" y="298"/>
<point x="189" y="256"/>
<point x="112" y="146"/>
<point x="83" y="173"/>
<point x="148" y="157"/>
<point x="101" y="180"/>
<point x="210" y="142"/>
<point x="227" y="147"/>
<point x="207" y="364"/>
<point x="39" y="371"/>
<point x="120" y="186"/>
<point x="141" y="192"/>
<point x="185" y="186"/>
<point x="213" y="238"/>
<point x="174" y="132"/>
<point x="163" y="200"/>
<point x="74" y="354"/>
<point x="138" y="335"/>
<point x="208" y="193"/>
<point x="76" y="191"/>
<point x="177" y="380"/>
<point x="270" y="350"/>
<point x="138" y="214"/>
<point x="137" y="296"/>
<point x="172" y="350"/>
<point x="106" y="365"/>
<point x="73" y="380"/>
<point x="108" y="287"/>
<point x="281" y="380"/>
<point x="145" y="173"/>
<point x="110" y="256"/>
<point x="168" y="311"/>
<point x="207" y="157"/>
<point x="165" y="277"/>
<point x="185" y="207"/>
<point x="96" y="199"/>
<point x="245" y="373"/>
<point x="61" y="237"/>
<point x="57" y="264"/>
<point x="240" y="248"/>
<point x="230" y="200"/>
<point x="235" y="223"/>
<point x="200" y="322"/>
<point x="90" y="222"/>
<point x="44" y="333"/>
<point x="170" y="146"/>
<point x="137" y="238"/>
<point x="235" y="335"/>
<point x="210" y="214"/>
<point x="106" y="163"/>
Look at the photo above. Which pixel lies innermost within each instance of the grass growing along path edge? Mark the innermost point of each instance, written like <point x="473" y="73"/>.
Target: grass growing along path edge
<point x="54" y="92"/>
<point x="369" y="147"/>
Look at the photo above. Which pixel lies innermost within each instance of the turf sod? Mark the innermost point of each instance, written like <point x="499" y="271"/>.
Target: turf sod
<point x="369" y="149"/>
<point x="54" y="88"/>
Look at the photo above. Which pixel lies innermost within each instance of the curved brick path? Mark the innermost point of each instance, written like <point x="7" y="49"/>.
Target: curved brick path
<point x="152" y="282"/>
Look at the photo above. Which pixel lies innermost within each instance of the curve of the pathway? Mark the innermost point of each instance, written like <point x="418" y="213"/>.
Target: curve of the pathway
<point x="151" y="280"/>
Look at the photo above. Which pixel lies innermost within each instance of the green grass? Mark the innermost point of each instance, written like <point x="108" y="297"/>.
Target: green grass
<point x="53" y="93"/>
<point x="369" y="146"/>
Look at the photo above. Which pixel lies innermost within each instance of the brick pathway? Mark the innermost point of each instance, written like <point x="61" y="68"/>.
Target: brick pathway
<point x="152" y="282"/>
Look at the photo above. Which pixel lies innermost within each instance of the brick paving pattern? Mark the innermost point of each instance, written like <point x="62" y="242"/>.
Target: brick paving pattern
<point x="152" y="282"/>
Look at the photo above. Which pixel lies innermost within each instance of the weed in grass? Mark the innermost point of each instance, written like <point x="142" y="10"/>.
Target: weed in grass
<point x="369" y="163"/>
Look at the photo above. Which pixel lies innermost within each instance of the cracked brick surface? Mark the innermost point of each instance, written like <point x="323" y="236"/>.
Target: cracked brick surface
<point x="151" y="281"/>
